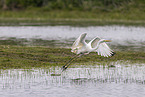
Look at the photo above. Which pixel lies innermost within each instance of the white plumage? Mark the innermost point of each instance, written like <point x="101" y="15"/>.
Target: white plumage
<point x="95" y="45"/>
<point x="80" y="47"/>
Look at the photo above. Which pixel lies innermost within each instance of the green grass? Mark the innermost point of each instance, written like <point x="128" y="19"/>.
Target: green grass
<point x="75" y="12"/>
<point x="36" y="57"/>
<point x="38" y="16"/>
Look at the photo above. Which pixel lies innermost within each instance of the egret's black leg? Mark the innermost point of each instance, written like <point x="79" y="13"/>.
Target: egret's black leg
<point x="64" y="66"/>
<point x="69" y="62"/>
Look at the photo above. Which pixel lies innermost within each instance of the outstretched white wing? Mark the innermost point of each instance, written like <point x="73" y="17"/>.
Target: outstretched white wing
<point x="80" y="41"/>
<point x="103" y="48"/>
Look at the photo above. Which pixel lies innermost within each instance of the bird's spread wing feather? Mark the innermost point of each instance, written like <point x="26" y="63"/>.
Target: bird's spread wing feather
<point x="103" y="48"/>
<point x="79" y="42"/>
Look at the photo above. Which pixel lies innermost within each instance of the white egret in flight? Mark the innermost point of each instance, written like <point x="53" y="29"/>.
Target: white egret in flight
<point x="80" y="47"/>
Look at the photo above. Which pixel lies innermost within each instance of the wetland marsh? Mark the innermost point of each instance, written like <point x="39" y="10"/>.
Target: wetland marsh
<point x="30" y="54"/>
<point x="122" y="81"/>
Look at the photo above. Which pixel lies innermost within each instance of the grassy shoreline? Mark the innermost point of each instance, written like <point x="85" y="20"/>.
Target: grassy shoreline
<point x="38" y="17"/>
<point x="24" y="57"/>
<point x="70" y="22"/>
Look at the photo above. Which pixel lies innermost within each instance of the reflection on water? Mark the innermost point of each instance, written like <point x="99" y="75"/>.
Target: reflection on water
<point x="122" y="80"/>
<point x="132" y="37"/>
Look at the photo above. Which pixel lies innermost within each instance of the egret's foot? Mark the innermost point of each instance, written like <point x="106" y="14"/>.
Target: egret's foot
<point x="64" y="68"/>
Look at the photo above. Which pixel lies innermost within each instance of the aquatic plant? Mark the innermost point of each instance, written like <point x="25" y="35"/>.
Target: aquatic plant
<point x="36" y="57"/>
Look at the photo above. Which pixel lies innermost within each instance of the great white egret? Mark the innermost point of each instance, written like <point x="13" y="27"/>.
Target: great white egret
<point x="80" y="47"/>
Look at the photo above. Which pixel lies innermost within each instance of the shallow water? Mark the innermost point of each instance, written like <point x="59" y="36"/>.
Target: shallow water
<point x="122" y="37"/>
<point x="81" y="81"/>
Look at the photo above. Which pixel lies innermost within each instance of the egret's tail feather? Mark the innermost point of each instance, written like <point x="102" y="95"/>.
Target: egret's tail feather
<point x="113" y="53"/>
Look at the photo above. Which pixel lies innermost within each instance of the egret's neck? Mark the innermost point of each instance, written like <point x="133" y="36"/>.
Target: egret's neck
<point x="99" y="42"/>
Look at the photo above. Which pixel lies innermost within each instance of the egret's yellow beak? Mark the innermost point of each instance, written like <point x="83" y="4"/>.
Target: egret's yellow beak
<point x="107" y="40"/>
